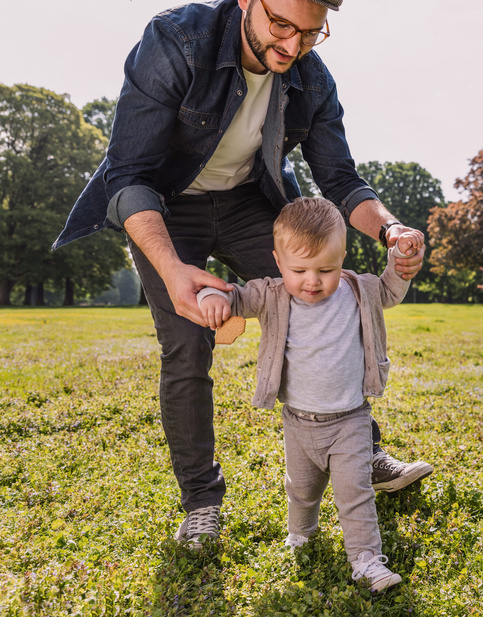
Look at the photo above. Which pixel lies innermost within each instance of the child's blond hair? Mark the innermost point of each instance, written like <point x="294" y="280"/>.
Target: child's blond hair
<point x="306" y="224"/>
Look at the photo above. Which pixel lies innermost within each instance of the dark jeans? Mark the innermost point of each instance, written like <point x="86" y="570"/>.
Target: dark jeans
<point x="235" y="227"/>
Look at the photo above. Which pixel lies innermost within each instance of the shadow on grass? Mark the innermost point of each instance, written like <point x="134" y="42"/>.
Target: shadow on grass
<point x="324" y="586"/>
<point x="189" y="582"/>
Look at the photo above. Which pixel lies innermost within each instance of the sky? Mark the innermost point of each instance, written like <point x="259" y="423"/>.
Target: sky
<point x="409" y="74"/>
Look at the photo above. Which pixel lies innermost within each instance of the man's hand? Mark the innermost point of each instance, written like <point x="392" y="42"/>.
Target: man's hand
<point x="368" y="218"/>
<point x="183" y="282"/>
<point x="410" y="266"/>
<point x="215" y="310"/>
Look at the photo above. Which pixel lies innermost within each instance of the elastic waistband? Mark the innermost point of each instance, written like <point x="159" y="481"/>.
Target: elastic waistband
<point x="327" y="417"/>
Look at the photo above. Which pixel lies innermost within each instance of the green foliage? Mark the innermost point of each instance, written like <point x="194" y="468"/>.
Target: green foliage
<point x="100" y="113"/>
<point x="89" y="505"/>
<point x="406" y="189"/>
<point x="125" y="289"/>
<point x="308" y="188"/>
<point x="409" y="192"/>
<point x="47" y="152"/>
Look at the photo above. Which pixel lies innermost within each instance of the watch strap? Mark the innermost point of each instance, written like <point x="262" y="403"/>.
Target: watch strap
<point x="384" y="228"/>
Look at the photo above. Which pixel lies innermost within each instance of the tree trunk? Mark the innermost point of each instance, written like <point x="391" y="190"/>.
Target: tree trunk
<point x="27" y="299"/>
<point x="69" y="293"/>
<point x="40" y="299"/>
<point x="6" y="287"/>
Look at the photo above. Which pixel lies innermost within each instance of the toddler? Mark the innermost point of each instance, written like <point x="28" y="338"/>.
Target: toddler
<point x="322" y="353"/>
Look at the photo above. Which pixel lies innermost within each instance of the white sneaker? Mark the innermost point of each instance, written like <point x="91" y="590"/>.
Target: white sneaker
<point x="372" y="567"/>
<point x="198" y="525"/>
<point x="293" y="540"/>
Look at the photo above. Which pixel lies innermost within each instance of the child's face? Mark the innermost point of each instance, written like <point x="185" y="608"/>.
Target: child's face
<point x="312" y="278"/>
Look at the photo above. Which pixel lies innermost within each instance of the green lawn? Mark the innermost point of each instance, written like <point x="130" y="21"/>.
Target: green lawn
<point x="89" y="505"/>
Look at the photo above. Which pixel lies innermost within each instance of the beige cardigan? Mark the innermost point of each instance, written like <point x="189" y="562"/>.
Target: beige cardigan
<point x="268" y="301"/>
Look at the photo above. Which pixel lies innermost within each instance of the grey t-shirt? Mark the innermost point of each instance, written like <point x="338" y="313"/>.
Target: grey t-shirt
<point x="323" y="368"/>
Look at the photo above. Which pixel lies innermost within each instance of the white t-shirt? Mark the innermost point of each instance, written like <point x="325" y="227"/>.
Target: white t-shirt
<point x="323" y="369"/>
<point x="233" y="159"/>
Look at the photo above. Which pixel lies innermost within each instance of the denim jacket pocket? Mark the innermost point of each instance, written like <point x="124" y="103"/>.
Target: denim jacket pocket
<point x="292" y="138"/>
<point x="196" y="130"/>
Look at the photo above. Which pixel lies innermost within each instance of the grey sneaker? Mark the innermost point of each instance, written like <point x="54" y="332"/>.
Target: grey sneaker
<point x="372" y="568"/>
<point x="389" y="474"/>
<point x="198" y="525"/>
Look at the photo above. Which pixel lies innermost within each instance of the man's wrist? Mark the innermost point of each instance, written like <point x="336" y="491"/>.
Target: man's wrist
<point x="383" y="231"/>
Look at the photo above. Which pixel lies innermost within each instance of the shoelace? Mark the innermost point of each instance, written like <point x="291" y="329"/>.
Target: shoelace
<point x="370" y="568"/>
<point x="387" y="462"/>
<point x="204" y="520"/>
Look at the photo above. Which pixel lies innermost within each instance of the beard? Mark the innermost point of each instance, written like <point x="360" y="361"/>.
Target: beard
<point x="258" y="49"/>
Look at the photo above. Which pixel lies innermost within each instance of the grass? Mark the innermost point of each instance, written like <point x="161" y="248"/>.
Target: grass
<point x="89" y="505"/>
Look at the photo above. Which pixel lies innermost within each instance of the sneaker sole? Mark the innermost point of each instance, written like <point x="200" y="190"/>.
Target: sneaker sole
<point x="195" y="544"/>
<point x="386" y="584"/>
<point x="418" y="473"/>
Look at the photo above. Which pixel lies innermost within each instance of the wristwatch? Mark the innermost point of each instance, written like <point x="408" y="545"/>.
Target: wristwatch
<point x="384" y="228"/>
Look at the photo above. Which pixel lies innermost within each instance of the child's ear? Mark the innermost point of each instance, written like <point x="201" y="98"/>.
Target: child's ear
<point x="345" y="253"/>
<point x="277" y="261"/>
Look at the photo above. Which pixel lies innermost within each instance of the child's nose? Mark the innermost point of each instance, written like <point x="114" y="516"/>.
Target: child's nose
<point x="313" y="278"/>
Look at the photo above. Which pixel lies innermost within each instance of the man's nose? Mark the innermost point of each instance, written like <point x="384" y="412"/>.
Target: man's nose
<point x="293" y="44"/>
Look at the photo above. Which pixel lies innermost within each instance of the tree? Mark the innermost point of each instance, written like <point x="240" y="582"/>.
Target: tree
<point x="47" y="152"/>
<point x="456" y="232"/>
<point x="409" y="192"/>
<point x="125" y="289"/>
<point x="100" y="113"/>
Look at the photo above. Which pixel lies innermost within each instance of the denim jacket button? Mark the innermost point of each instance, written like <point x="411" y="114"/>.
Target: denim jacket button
<point x="96" y="226"/>
<point x="239" y="92"/>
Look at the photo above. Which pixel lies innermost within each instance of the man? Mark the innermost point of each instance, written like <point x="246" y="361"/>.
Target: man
<point x="215" y="95"/>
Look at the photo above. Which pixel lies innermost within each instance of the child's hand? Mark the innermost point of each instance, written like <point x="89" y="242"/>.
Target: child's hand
<point x="215" y="310"/>
<point x="409" y="242"/>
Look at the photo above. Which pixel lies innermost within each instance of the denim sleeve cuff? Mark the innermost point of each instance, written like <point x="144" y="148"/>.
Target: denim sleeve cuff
<point x="354" y="198"/>
<point x="132" y="199"/>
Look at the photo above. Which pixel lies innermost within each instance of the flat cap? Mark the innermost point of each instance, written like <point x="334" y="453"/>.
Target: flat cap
<point x="331" y="4"/>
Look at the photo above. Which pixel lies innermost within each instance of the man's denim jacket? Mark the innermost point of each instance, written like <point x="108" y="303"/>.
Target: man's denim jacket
<point x="183" y="85"/>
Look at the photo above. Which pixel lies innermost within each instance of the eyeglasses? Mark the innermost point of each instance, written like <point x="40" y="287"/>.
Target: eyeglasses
<point x="283" y="29"/>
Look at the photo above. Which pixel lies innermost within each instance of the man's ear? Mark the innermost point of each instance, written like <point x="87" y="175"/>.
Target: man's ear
<point x="243" y="4"/>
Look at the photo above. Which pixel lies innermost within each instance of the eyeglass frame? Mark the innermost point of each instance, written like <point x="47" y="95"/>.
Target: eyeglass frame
<point x="273" y="19"/>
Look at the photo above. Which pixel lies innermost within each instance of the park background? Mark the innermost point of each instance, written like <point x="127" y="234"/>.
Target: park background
<point x="88" y="503"/>
<point x="408" y="78"/>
